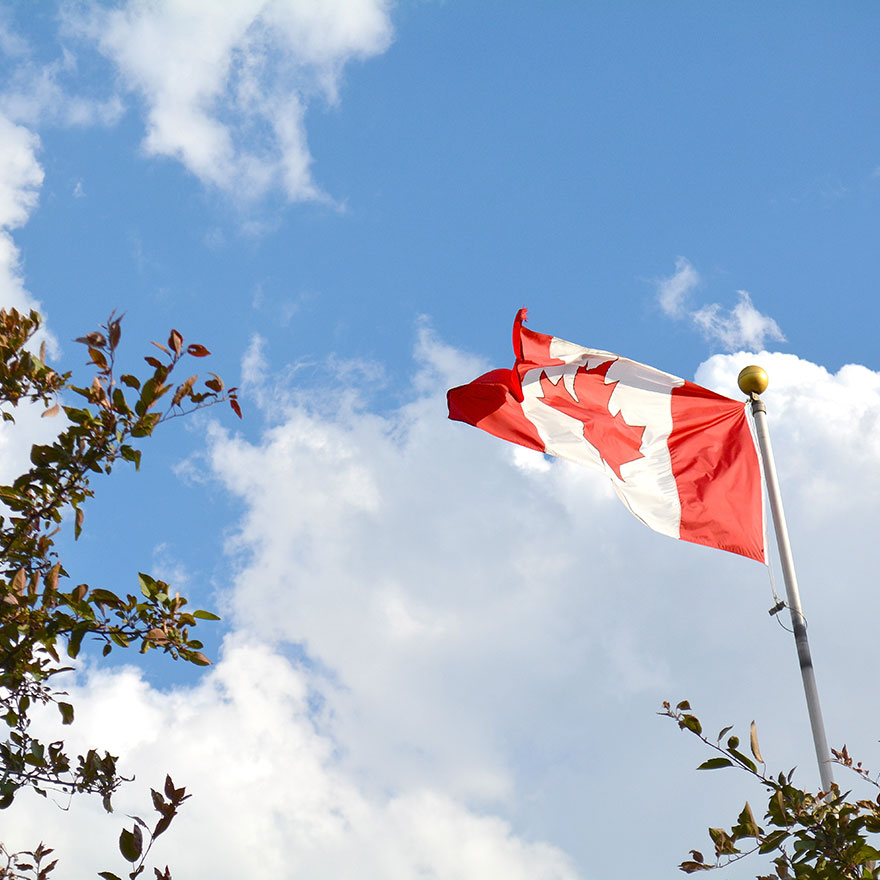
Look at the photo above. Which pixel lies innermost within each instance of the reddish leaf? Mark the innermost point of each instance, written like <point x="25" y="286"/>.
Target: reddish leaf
<point x="128" y="845"/>
<point x="175" y="342"/>
<point x="115" y="330"/>
<point x="162" y="824"/>
<point x="197" y="350"/>
<point x="94" y="338"/>
<point x="235" y="407"/>
<point x="52" y="577"/>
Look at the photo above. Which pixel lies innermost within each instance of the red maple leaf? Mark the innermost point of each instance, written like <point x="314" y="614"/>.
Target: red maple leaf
<point x="616" y="441"/>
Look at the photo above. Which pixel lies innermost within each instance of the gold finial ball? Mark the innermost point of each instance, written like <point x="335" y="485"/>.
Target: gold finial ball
<point x="753" y="380"/>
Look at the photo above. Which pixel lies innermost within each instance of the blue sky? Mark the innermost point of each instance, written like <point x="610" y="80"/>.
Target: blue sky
<point x="347" y="202"/>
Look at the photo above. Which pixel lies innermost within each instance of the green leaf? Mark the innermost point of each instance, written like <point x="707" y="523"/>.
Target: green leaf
<point x="120" y="402"/>
<point x="145" y="424"/>
<point x="66" y="711"/>
<point x="745" y="824"/>
<point x="75" y="640"/>
<point x="108" y="875"/>
<point x="745" y="760"/>
<point x="148" y="585"/>
<point x="205" y="615"/>
<point x="773" y="841"/>
<point x="715" y="764"/>
<point x="132" y="455"/>
<point x="692" y="723"/>
<point x="105" y="597"/>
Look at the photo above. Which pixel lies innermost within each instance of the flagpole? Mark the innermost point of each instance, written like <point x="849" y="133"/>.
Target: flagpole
<point x="753" y="381"/>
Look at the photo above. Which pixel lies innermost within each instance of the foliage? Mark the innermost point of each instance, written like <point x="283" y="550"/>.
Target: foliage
<point x="41" y="622"/>
<point x="813" y="836"/>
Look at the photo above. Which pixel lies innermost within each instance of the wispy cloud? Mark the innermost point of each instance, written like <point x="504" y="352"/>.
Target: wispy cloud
<point x="36" y="91"/>
<point x="742" y="326"/>
<point x="672" y="292"/>
<point x="233" y="112"/>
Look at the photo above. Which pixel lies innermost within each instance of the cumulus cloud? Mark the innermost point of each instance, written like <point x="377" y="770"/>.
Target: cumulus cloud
<point x="266" y="781"/>
<point x="743" y="326"/>
<point x="21" y="177"/>
<point x="475" y="618"/>
<point x="481" y="644"/>
<point x="233" y="109"/>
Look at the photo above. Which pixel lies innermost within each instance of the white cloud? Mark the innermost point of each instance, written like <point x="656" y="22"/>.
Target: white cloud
<point x="477" y="620"/>
<point x="34" y="90"/>
<point x="227" y="86"/>
<point x="36" y="95"/>
<point x="485" y="645"/>
<point x="672" y="292"/>
<point x="266" y="780"/>
<point x="21" y="177"/>
<point x="743" y="326"/>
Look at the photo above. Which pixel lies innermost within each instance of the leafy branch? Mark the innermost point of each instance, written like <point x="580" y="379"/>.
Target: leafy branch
<point x="42" y="623"/>
<point x="814" y="836"/>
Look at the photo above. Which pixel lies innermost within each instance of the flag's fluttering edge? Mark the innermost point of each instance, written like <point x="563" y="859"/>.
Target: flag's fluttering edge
<point x="681" y="457"/>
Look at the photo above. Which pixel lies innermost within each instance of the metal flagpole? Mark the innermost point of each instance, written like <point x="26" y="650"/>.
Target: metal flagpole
<point x="753" y="381"/>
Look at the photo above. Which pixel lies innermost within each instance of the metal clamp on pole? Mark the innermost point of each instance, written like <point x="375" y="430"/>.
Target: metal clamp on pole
<point x="753" y="382"/>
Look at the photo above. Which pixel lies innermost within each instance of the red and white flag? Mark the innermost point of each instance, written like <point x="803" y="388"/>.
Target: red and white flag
<point x="681" y="457"/>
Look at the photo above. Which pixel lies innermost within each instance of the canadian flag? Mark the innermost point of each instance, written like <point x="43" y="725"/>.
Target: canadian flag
<point x="681" y="457"/>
